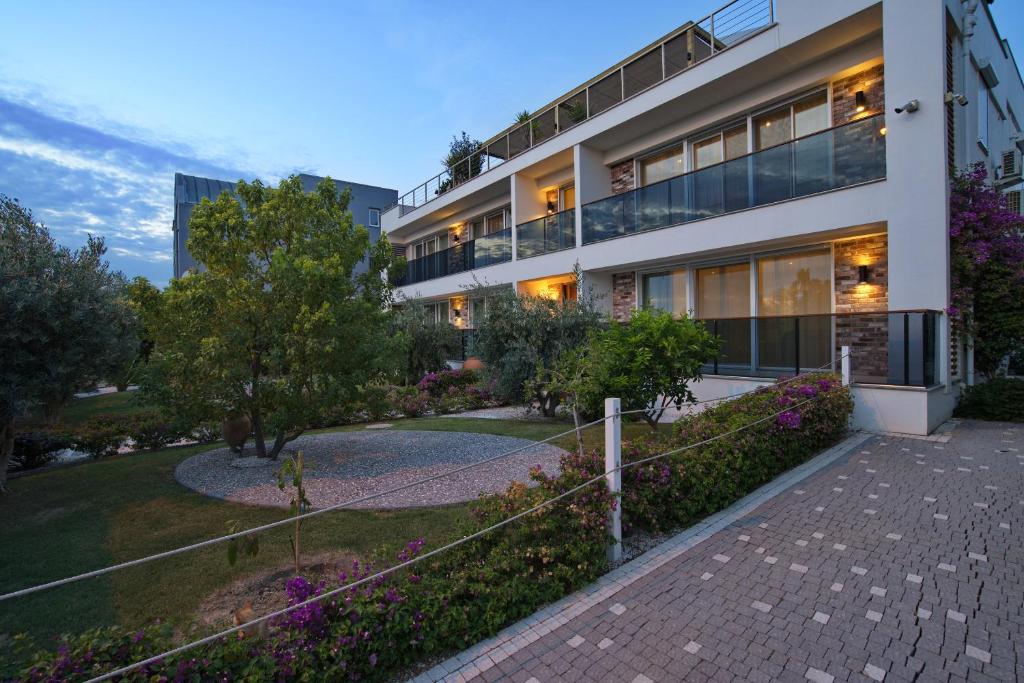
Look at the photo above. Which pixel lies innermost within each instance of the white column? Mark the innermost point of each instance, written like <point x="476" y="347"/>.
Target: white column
<point x="527" y="204"/>
<point x="593" y="182"/>
<point x="613" y="475"/>
<point x="844" y="351"/>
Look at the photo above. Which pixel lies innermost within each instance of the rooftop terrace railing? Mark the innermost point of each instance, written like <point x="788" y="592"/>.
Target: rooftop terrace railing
<point x="681" y="50"/>
<point x="484" y="251"/>
<point x="846" y="155"/>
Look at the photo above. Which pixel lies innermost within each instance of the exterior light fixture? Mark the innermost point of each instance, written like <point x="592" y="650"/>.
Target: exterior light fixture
<point x="455" y="237"/>
<point x="551" y="207"/>
<point x="863" y="276"/>
<point x="883" y="130"/>
<point x="861" y="101"/>
<point x="910" y="107"/>
<point x="458" y="312"/>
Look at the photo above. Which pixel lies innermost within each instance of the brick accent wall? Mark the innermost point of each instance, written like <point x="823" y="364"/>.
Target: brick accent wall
<point x="844" y="94"/>
<point x="622" y="177"/>
<point x="623" y="295"/>
<point x="866" y="335"/>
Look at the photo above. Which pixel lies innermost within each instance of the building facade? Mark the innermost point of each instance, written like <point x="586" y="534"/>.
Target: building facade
<point x="779" y="170"/>
<point x="366" y="205"/>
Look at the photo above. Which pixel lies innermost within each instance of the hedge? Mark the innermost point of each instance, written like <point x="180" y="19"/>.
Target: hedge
<point x="451" y="601"/>
<point x="1000" y="399"/>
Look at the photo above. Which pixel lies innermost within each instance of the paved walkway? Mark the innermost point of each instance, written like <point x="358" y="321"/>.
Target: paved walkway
<point x="899" y="559"/>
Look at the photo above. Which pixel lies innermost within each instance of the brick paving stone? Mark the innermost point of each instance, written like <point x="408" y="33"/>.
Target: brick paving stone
<point x="928" y="588"/>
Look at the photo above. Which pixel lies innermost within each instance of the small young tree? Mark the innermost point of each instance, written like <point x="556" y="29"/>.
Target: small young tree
<point x="649" y="362"/>
<point x="65" y="322"/>
<point x="523" y="337"/>
<point x="140" y="297"/>
<point x="278" y="327"/>
<point x="426" y="344"/>
<point x="987" y="270"/>
<point x="458" y="149"/>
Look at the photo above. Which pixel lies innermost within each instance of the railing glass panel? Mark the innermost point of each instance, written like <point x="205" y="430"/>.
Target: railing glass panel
<point x="838" y="157"/>
<point x="546" y="234"/>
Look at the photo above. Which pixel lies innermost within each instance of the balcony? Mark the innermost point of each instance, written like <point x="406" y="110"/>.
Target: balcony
<point x="839" y="157"/>
<point x="888" y="347"/>
<point x="546" y="234"/>
<point x="682" y="49"/>
<point x="479" y="253"/>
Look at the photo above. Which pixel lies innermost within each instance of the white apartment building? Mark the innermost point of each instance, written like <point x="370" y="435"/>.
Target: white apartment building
<point x="779" y="169"/>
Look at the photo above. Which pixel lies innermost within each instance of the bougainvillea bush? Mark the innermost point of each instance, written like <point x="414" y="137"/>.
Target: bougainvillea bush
<point x="447" y="602"/>
<point x="986" y="251"/>
<point x="785" y="425"/>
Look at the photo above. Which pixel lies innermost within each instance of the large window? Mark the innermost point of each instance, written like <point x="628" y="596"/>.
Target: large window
<point x="430" y="245"/>
<point x="722" y="146"/>
<point x="723" y="296"/>
<point x="661" y="166"/>
<point x="438" y="310"/>
<point x="794" y="299"/>
<point x="803" y="117"/>
<point x="665" y="291"/>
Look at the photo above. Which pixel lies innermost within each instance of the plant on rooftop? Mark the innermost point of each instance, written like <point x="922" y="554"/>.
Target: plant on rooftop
<point x="65" y="322"/>
<point x="279" y="326"/>
<point x="460" y="168"/>
<point x="987" y="270"/>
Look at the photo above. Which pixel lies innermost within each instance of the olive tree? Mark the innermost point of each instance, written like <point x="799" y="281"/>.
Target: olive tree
<point x="66" y="324"/>
<point x="278" y="326"/>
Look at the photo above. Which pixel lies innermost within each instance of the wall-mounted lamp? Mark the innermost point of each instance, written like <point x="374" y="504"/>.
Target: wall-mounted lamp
<point x="458" y="313"/>
<point x="863" y="276"/>
<point x="455" y="237"/>
<point x="910" y="107"/>
<point x="551" y="207"/>
<point x="861" y="101"/>
<point x="883" y="130"/>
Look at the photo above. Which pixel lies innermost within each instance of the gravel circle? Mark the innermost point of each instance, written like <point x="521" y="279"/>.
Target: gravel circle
<point x="341" y="466"/>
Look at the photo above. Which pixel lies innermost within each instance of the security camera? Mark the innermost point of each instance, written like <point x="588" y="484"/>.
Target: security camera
<point x="910" y="107"/>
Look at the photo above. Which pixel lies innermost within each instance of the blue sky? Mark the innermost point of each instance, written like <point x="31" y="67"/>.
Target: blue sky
<point x="100" y="103"/>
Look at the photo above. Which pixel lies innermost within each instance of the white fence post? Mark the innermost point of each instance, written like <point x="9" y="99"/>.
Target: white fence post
<point x="612" y="463"/>
<point x="845" y="352"/>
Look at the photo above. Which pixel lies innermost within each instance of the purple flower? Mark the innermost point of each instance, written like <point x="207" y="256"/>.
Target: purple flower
<point x="789" y="419"/>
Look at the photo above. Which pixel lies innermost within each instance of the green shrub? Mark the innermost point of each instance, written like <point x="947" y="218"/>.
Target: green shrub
<point x="38" y="448"/>
<point x="102" y="435"/>
<point x="149" y="430"/>
<point x="1000" y="399"/>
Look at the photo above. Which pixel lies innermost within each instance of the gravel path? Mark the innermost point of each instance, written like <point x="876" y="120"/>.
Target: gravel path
<point x="341" y="466"/>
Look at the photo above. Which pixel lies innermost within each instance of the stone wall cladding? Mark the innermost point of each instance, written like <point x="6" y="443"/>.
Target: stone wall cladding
<point x="866" y="335"/>
<point x="622" y="177"/>
<point x="844" y="95"/>
<point x="623" y="295"/>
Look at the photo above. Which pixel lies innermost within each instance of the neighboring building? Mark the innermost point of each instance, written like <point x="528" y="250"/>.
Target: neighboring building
<point x="366" y="205"/>
<point x="779" y="170"/>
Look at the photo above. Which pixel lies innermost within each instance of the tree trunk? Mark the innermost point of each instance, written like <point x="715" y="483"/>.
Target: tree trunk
<point x="6" y="448"/>
<point x="281" y="440"/>
<point x="257" y="433"/>
<point x="576" y="423"/>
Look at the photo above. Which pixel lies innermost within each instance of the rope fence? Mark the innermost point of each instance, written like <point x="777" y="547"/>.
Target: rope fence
<point x="373" y="496"/>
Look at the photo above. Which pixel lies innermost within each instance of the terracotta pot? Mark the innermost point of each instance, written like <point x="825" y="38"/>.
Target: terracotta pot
<point x="235" y="431"/>
<point x="473" y="363"/>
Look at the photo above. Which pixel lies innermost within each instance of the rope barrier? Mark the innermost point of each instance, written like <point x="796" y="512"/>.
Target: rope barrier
<point x="355" y="584"/>
<point x="338" y="506"/>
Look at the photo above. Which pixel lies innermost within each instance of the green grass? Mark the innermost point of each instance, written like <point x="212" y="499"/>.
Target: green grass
<point x="119" y="403"/>
<point x="67" y="521"/>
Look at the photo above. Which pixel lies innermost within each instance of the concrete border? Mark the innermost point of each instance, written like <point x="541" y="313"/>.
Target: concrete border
<point x="512" y="639"/>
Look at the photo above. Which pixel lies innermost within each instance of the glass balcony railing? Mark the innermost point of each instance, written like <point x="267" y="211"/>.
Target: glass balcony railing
<point x="887" y="347"/>
<point x="682" y="49"/>
<point x="838" y="157"/>
<point x="546" y="234"/>
<point x="479" y="253"/>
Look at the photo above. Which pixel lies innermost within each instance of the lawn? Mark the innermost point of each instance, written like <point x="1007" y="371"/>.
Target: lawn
<point x="118" y="403"/>
<point x="66" y="521"/>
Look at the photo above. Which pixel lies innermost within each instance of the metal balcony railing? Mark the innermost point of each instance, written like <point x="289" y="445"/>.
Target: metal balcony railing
<point x="690" y="45"/>
<point x="846" y="155"/>
<point x="479" y="253"/>
<point x="886" y="347"/>
<point x="549" y="233"/>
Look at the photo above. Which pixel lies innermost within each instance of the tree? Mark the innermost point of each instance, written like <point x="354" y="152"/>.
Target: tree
<point x="141" y="296"/>
<point x="649" y="363"/>
<point x="278" y="327"/>
<point x="523" y="336"/>
<point x="986" y="270"/>
<point x="426" y="344"/>
<point x="65" y="322"/>
<point x="458" y="149"/>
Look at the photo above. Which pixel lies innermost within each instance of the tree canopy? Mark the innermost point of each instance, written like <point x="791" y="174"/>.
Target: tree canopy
<point x="66" y="324"/>
<point x="278" y="325"/>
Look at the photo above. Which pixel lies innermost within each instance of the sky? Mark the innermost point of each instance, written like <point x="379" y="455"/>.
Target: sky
<point x="102" y="102"/>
